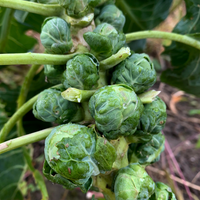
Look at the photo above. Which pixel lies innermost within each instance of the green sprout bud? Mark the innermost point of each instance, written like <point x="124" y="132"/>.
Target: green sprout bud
<point x="51" y="107"/>
<point x="133" y="183"/>
<point x="111" y="15"/>
<point x="55" y="35"/>
<point x="137" y="71"/>
<point x="152" y="121"/>
<point x="76" y="8"/>
<point x="163" y="192"/>
<point x="104" y="40"/>
<point x="147" y="153"/>
<point x="54" y="73"/>
<point x="116" y="110"/>
<point x="81" y="72"/>
<point x="68" y="150"/>
<point x="74" y="152"/>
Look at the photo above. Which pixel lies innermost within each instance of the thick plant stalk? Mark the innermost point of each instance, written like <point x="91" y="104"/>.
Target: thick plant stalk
<point x="32" y="7"/>
<point x="24" y="140"/>
<point x="163" y="35"/>
<point x="103" y="182"/>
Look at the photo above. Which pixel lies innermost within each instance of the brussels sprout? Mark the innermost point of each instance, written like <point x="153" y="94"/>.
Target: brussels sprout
<point x="51" y="107"/>
<point x="55" y="35"/>
<point x="81" y="72"/>
<point x="68" y="150"/>
<point x="147" y="153"/>
<point x="76" y="8"/>
<point x="54" y="73"/>
<point x="152" y="121"/>
<point x="163" y="192"/>
<point x="116" y="110"/>
<point x="104" y="40"/>
<point x="71" y="150"/>
<point x="133" y="183"/>
<point x="111" y="15"/>
<point x="137" y="71"/>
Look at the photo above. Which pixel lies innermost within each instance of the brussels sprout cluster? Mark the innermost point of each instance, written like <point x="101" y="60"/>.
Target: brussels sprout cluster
<point x="108" y="128"/>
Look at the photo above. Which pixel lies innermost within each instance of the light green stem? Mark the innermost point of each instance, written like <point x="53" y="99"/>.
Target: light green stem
<point x="5" y="26"/>
<point x="34" y="58"/>
<point x="163" y="35"/>
<point x="32" y="7"/>
<point x="115" y="59"/>
<point x="20" y="130"/>
<point x="77" y="95"/>
<point x="149" y="96"/>
<point x="23" y="94"/>
<point x="16" y="116"/>
<point x="24" y="140"/>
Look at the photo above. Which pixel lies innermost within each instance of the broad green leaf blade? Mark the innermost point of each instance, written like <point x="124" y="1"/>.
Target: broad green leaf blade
<point x="185" y="60"/>
<point x="30" y="20"/>
<point x="12" y="34"/>
<point x="11" y="170"/>
<point x="142" y="15"/>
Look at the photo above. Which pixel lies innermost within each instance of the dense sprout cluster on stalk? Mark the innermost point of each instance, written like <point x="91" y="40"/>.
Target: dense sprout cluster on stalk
<point x="108" y="125"/>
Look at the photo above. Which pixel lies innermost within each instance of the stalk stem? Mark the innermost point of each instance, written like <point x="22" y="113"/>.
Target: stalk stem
<point x="23" y="95"/>
<point x="34" y="58"/>
<point x="16" y="116"/>
<point x="32" y="7"/>
<point x="24" y="140"/>
<point x="163" y="35"/>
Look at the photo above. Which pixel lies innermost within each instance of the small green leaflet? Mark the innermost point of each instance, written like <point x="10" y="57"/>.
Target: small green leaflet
<point x="185" y="60"/>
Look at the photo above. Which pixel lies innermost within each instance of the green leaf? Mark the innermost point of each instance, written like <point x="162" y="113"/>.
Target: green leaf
<point x="12" y="34"/>
<point x="142" y="15"/>
<point x="11" y="170"/>
<point x="185" y="60"/>
<point x="30" y="20"/>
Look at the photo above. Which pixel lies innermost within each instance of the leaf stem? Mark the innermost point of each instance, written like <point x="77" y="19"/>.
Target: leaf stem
<point x="16" y="116"/>
<point x="23" y="94"/>
<point x="24" y="140"/>
<point x="77" y="95"/>
<point x="37" y="8"/>
<point x="115" y="59"/>
<point x="163" y="35"/>
<point x="34" y="58"/>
